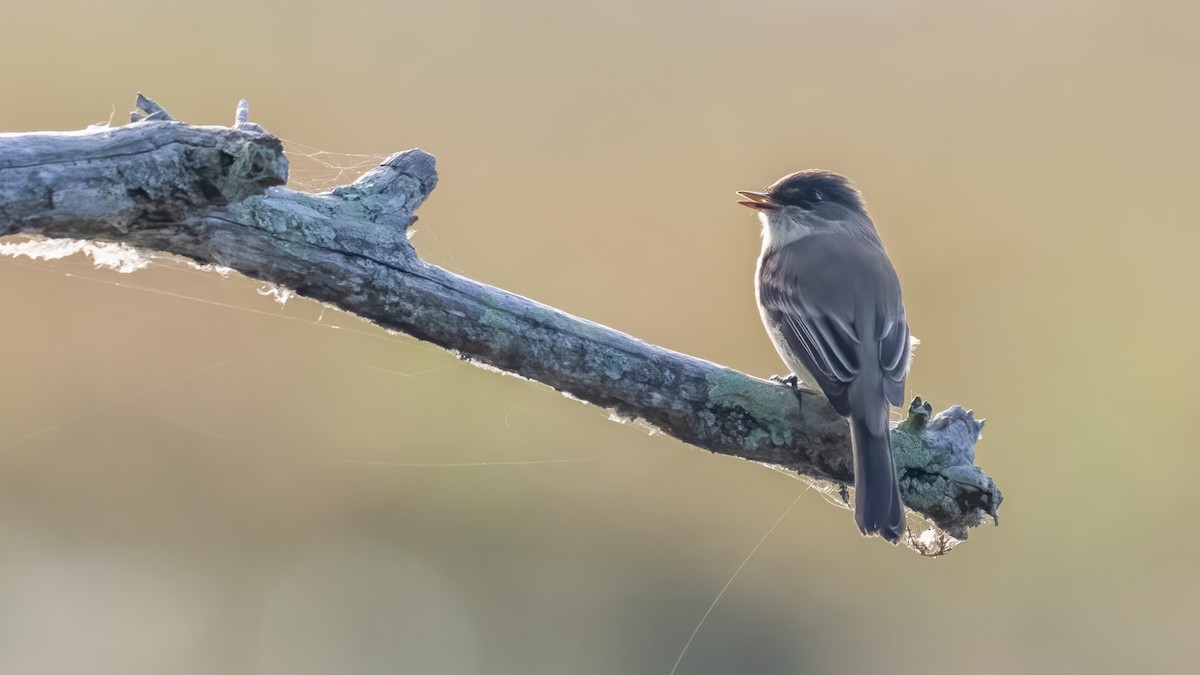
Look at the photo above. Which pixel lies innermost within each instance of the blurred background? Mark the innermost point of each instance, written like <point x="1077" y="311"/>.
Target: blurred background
<point x="195" y="478"/>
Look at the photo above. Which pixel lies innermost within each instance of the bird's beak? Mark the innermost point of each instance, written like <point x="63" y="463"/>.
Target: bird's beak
<point x="759" y="201"/>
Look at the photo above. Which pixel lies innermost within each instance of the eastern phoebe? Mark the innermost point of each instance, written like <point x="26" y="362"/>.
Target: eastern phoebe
<point x="830" y="300"/>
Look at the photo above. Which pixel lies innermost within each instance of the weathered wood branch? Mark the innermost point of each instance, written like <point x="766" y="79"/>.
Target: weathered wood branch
<point x="215" y="195"/>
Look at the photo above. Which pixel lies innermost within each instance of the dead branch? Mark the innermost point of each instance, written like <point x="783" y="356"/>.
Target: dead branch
<point x="214" y="195"/>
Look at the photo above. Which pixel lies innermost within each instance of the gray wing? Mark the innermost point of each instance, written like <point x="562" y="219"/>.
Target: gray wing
<point x="813" y="292"/>
<point x="895" y="353"/>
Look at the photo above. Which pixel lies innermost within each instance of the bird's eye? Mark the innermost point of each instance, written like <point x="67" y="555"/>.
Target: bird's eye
<point x="817" y="196"/>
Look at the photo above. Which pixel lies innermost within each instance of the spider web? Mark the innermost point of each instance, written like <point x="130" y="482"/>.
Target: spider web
<point x="315" y="170"/>
<point x="311" y="170"/>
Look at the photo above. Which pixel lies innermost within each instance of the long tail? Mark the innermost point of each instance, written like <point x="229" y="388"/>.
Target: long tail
<point x="877" y="506"/>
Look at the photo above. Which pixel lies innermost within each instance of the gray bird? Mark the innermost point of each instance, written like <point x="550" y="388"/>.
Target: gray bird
<point x="830" y="300"/>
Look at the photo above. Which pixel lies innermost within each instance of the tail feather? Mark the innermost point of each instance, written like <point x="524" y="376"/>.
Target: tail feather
<point x="877" y="506"/>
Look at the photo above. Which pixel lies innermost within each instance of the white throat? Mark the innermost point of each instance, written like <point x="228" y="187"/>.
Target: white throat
<point x="783" y="226"/>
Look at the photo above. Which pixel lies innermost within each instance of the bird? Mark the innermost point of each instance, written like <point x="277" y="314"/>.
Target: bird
<point x="830" y="300"/>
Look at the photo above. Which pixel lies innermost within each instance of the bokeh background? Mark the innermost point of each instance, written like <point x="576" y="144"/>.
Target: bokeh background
<point x="197" y="479"/>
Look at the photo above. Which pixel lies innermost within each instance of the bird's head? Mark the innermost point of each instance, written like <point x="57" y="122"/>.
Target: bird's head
<point x="803" y="203"/>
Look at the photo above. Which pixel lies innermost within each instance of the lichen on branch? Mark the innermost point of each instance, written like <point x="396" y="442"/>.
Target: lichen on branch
<point x="216" y="195"/>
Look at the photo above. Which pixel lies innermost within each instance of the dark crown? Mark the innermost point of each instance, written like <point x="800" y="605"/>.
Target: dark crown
<point x="810" y="187"/>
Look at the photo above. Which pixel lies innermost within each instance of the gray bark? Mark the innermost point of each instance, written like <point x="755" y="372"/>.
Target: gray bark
<point x="215" y="195"/>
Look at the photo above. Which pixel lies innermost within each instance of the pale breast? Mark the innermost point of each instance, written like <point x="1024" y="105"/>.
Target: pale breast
<point x="775" y="332"/>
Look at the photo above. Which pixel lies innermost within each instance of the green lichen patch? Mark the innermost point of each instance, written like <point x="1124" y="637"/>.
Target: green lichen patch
<point x="503" y="324"/>
<point x="774" y="405"/>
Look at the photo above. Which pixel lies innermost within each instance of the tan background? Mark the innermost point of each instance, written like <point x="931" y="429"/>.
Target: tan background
<point x="1031" y="166"/>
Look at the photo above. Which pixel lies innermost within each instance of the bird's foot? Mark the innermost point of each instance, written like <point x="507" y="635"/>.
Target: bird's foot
<point x="791" y="380"/>
<point x="794" y="382"/>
